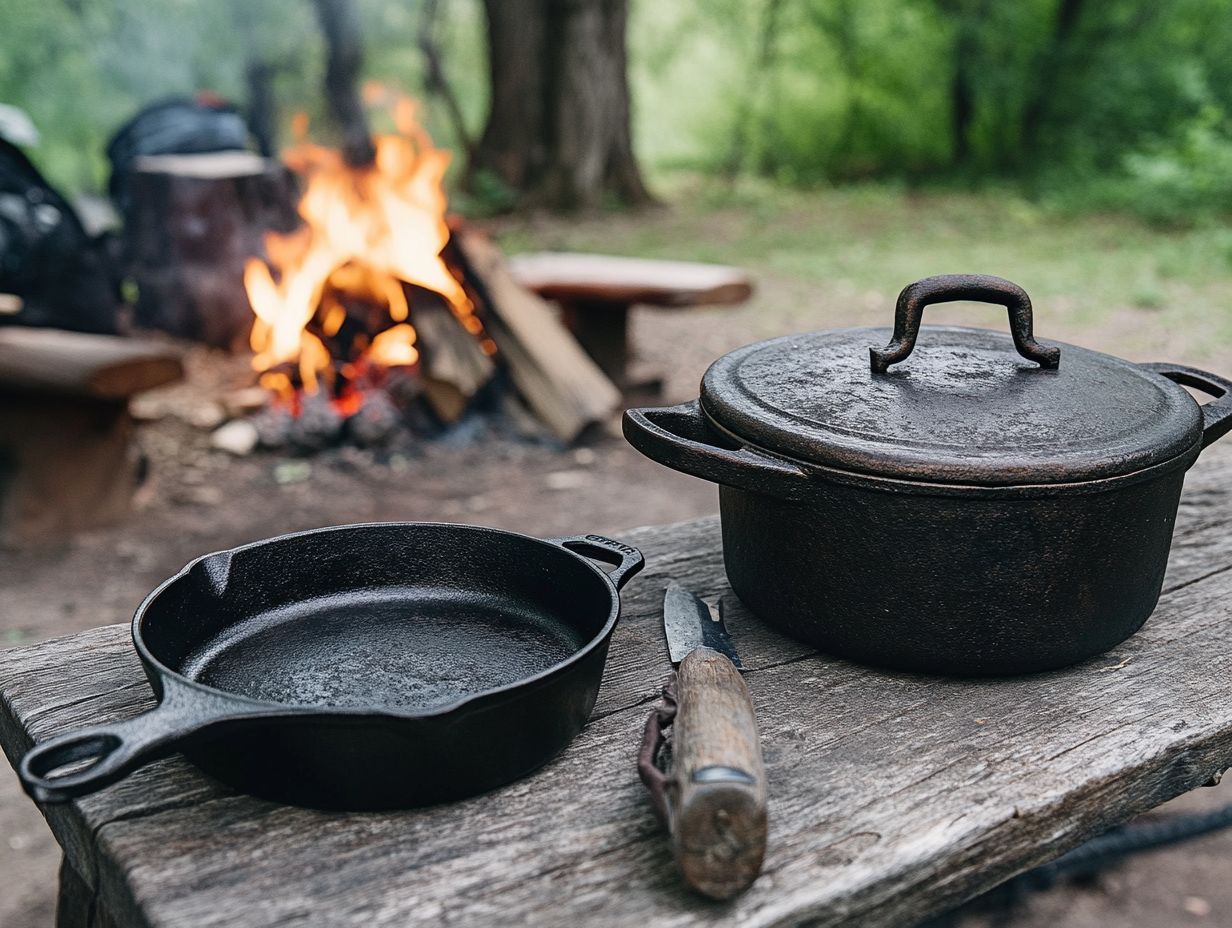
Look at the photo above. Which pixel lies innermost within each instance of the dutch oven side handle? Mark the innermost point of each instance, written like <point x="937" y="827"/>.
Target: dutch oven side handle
<point x="1217" y="414"/>
<point x="115" y="749"/>
<point x="679" y="437"/>
<point x="626" y="559"/>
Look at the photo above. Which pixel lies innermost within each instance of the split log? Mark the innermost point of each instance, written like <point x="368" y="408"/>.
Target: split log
<point x="454" y="365"/>
<point x="558" y="380"/>
<point x="194" y="221"/>
<point x="67" y="460"/>
<point x="99" y="366"/>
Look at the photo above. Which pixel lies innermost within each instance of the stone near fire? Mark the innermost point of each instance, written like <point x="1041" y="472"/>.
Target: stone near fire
<point x="375" y="422"/>
<point x="317" y="426"/>
<point x="273" y="425"/>
<point x="204" y="415"/>
<point x="238" y="437"/>
<point x="245" y="401"/>
<point x="565" y="479"/>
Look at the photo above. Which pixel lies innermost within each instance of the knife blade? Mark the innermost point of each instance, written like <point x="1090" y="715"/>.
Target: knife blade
<point x="715" y="791"/>
<point x="689" y="624"/>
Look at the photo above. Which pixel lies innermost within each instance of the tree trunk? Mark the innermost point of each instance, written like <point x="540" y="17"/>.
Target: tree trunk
<point x="1048" y="75"/>
<point x="345" y="59"/>
<point x="262" y="118"/>
<point x="962" y="94"/>
<point x="962" y="112"/>
<point x="558" y="131"/>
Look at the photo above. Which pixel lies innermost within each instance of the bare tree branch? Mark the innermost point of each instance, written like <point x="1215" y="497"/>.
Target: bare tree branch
<point x="437" y="82"/>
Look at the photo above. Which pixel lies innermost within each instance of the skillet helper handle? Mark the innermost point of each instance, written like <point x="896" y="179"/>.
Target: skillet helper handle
<point x="945" y="288"/>
<point x="1217" y="414"/>
<point x="716" y="790"/>
<point x="627" y="560"/>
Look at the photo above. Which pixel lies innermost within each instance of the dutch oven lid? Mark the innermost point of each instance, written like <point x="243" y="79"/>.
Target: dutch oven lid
<point x="967" y="406"/>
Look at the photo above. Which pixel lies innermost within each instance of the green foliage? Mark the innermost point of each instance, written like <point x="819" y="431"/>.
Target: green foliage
<point x="80" y="69"/>
<point x="392" y="57"/>
<point x="1091" y="103"/>
<point x="1086" y="104"/>
<point x="1181" y="179"/>
<point x="799" y="90"/>
<point x="488" y="196"/>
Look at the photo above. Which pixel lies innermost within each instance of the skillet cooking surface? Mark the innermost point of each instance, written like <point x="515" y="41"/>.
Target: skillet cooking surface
<point x="409" y="650"/>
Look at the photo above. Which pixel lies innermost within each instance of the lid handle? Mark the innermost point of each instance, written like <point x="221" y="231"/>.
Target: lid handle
<point x="946" y="288"/>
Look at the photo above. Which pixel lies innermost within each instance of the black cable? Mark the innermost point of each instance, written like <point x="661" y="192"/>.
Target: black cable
<point x="1088" y="859"/>
<point x="1123" y="841"/>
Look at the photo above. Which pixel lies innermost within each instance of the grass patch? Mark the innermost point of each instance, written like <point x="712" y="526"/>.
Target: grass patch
<point x="839" y="256"/>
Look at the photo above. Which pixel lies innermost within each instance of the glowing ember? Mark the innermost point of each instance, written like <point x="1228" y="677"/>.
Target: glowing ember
<point x="367" y="231"/>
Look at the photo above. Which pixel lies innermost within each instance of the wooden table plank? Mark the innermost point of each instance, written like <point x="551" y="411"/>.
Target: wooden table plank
<point x="595" y="293"/>
<point x="609" y="280"/>
<point x="892" y="796"/>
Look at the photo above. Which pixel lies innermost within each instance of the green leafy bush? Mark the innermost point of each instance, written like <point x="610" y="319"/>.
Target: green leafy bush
<point x="1184" y="179"/>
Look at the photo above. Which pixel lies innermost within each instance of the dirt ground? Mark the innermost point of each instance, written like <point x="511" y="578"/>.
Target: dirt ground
<point x="198" y="499"/>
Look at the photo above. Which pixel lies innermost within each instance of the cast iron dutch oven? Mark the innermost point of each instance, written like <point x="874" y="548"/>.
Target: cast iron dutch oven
<point x="362" y="666"/>
<point x="984" y="505"/>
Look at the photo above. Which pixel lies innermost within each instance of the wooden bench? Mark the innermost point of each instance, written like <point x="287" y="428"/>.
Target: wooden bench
<point x="66" y="455"/>
<point x="892" y="796"/>
<point x="596" y="292"/>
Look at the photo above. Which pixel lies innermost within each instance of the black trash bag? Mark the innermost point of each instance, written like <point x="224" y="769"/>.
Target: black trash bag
<point x="175" y="126"/>
<point x="62" y="276"/>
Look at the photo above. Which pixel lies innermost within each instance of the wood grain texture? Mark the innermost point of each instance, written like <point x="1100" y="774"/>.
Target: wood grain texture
<point x="717" y="787"/>
<point x="454" y="365"/>
<point x="607" y="280"/>
<point x="103" y="367"/>
<point x="891" y="796"/>
<point x="76" y="903"/>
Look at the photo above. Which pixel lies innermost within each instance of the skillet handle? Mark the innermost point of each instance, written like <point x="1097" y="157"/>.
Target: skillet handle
<point x="1217" y="414"/>
<point x="627" y="559"/>
<point x="115" y="749"/>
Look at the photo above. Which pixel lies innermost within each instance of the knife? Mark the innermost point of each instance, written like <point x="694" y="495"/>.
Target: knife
<point x="713" y="799"/>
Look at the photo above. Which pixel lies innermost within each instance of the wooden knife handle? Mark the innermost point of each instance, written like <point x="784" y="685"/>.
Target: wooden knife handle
<point x="717" y="787"/>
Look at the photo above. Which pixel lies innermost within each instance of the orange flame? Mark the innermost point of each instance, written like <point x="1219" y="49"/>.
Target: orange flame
<point x="366" y="231"/>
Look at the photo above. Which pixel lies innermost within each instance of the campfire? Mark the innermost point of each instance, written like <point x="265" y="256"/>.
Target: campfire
<point x="342" y="302"/>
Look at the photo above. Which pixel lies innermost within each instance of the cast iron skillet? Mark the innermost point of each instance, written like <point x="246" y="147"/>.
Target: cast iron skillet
<point x="362" y="666"/>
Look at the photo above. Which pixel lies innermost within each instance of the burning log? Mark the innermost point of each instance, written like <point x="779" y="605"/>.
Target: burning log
<point x="370" y="294"/>
<point x="455" y="366"/>
<point x="359" y="296"/>
<point x="558" y="380"/>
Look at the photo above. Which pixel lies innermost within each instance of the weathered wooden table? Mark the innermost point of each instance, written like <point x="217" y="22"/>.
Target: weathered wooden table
<point x="892" y="796"/>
